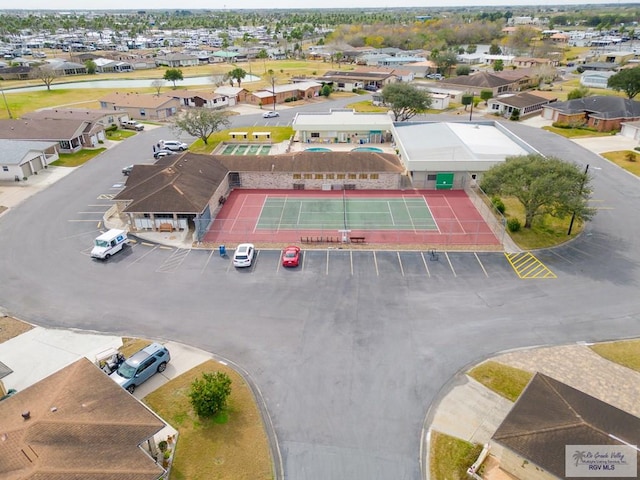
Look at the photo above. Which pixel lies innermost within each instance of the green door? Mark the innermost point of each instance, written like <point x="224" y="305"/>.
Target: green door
<point x="444" y="181"/>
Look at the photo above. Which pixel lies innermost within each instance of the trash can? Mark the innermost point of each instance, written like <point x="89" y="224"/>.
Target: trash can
<point x="223" y="250"/>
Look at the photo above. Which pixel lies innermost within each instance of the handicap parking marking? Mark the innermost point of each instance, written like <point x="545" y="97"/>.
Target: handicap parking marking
<point x="528" y="266"/>
<point x="174" y="260"/>
<point x="106" y="196"/>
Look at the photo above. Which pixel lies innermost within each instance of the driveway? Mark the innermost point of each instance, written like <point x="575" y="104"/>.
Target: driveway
<point x="348" y="364"/>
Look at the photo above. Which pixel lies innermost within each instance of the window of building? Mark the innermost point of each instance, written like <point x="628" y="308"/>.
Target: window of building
<point x="143" y="112"/>
<point x="340" y="176"/>
<point x="315" y="134"/>
<point x="5" y="168"/>
<point x="297" y="176"/>
<point x="319" y="176"/>
<point x="374" y="176"/>
<point x="352" y="176"/>
<point x="308" y="176"/>
<point x="330" y="176"/>
<point x="596" y="121"/>
<point x="432" y="177"/>
<point x="363" y="176"/>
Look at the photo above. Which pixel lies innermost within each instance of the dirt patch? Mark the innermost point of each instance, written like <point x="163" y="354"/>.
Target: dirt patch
<point x="3" y="208"/>
<point x="11" y="327"/>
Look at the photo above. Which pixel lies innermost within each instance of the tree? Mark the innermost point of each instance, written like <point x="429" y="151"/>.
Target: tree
<point x="445" y="60"/>
<point x="494" y="49"/>
<point x="46" y="74"/>
<point x="173" y="75"/>
<point x="262" y="54"/>
<point x="201" y="122"/>
<point x="543" y="185"/>
<point x="579" y="92"/>
<point x="325" y="91"/>
<point x="237" y="74"/>
<point x="405" y="100"/>
<point x="209" y="393"/>
<point x="627" y="80"/>
<point x="157" y="84"/>
<point x="466" y="100"/>
<point x="463" y="70"/>
<point x="486" y="95"/>
<point x="498" y="65"/>
<point x="91" y="67"/>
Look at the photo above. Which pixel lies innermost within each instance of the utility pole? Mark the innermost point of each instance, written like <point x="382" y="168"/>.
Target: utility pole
<point x="6" y="104"/>
<point x="584" y="179"/>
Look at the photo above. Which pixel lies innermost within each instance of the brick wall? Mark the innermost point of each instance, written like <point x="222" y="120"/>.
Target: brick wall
<point x="278" y="180"/>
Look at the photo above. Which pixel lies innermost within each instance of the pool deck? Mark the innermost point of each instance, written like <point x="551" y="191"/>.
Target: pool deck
<point x="281" y="148"/>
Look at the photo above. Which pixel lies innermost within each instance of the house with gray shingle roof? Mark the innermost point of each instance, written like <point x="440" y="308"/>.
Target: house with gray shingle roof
<point x="140" y="106"/>
<point x="549" y="416"/>
<point x="174" y="60"/>
<point x="77" y="423"/>
<point x="480" y="81"/>
<point x="22" y="158"/>
<point x="68" y="133"/>
<point x="602" y="112"/>
<point x="527" y="103"/>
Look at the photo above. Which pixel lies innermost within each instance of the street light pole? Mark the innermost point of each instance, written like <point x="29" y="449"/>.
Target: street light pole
<point x="584" y="179"/>
<point x="473" y="94"/>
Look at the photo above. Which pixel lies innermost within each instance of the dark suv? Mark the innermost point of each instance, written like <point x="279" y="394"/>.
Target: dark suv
<point x="141" y="366"/>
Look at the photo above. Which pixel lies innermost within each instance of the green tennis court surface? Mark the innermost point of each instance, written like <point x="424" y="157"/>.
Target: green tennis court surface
<point x="282" y="213"/>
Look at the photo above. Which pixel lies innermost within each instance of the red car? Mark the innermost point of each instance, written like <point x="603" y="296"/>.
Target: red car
<point x="291" y="256"/>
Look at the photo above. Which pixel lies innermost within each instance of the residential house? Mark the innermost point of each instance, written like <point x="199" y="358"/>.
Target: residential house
<point x="600" y="66"/>
<point x="522" y="78"/>
<point x="190" y="98"/>
<point x="234" y="95"/>
<point x="70" y="134"/>
<point x="595" y="79"/>
<point x="528" y="62"/>
<point x="176" y="60"/>
<point x="97" y="120"/>
<point x="142" y="106"/>
<point x="479" y="81"/>
<point x="78" y="423"/>
<point x="21" y="159"/>
<point x="526" y="103"/>
<point x="399" y="60"/>
<point x="284" y="93"/>
<point x="105" y="65"/>
<point x="63" y="68"/>
<point x="630" y="130"/>
<point x="15" y="73"/>
<point x="342" y="126"/>
<point x="353" y="80"/>
<point x="619" y="57"/>
<point x="604" y="113"/>
<point x="550" y="416"/>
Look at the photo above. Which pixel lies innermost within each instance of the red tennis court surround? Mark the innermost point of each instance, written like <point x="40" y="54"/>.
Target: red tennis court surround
<point x="458" y="221"/>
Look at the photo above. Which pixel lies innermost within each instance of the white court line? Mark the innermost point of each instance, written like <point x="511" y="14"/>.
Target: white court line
<point x="393" y="222"/>
<point x="413" y="225"/>
<point x="455" y="216"/>
<point x="431" y="213"/>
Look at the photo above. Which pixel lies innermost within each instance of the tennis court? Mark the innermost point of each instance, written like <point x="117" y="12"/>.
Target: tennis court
<point x="412" y="217"/>
<point x="285" y="213"/>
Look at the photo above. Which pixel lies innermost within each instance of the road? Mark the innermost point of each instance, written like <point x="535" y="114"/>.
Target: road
<point x="349" y="361"/>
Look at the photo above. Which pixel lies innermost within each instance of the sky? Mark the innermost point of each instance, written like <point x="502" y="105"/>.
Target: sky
<point x="284" y="4"/>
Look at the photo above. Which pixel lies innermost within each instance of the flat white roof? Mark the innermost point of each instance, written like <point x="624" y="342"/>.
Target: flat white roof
<point x="342" y="120"/>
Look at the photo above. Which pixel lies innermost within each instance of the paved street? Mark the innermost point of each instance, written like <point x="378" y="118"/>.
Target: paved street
<point x="348" y="351"/>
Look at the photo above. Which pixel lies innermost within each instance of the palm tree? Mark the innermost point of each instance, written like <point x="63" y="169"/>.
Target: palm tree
<point x="237" y="74"/>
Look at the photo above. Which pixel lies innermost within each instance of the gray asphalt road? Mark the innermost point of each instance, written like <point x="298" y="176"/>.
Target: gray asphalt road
<point x="348" y="357"/>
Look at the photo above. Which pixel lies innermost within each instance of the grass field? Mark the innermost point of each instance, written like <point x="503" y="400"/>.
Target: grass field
<point x="450" y="457"/>
<point x="625" y="353"/>
<point x="78" y="158"/>
<point x="278" y="134"/>
<point x="620" y="159"/>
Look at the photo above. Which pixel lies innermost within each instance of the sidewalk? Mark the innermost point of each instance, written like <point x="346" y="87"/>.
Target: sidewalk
<point x="14" y="193"/>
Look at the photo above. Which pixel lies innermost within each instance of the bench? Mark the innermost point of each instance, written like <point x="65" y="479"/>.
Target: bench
<point x="356" y="239"/>
<point x="165" y="227"/>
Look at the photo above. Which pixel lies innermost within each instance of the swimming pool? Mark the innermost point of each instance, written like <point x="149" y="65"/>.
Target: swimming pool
<point x="367" y="149"/>
<point x="318" y="149"/>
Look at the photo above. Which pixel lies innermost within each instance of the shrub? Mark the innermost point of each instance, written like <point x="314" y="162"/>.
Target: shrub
<point x="515" y="115"/>
<point x="209" y="393"/>
<point x="630" y="157"/>
<point x="498" y="204"/>
<point x="162" y="446"/>
<point x="514" y="225"/>
<point x="636" y="149"/>
<point x="111" y="128"/>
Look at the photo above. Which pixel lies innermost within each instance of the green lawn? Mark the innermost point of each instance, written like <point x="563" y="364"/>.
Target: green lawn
<point x="578" y="132"/>
<point x="451" y="457"/>
<point x="231" y="446"/>
<point x="506" y="381"/>
<point x="626" y="352"/>
<point x="76" y="159"/>
<point x="118" y="135"/>
<point x="367" y="107"/>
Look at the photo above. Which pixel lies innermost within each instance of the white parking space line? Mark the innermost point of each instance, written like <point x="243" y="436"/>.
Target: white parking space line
<point x="351" y="260"/>
<point x="450" y="265"/>
<point x="425" y="264"/>
<point x="327" y="269"/>
<point x="94" y="220"/>
<point x="400" y="262"/>
<point x="375" y="261"/>
<point x="142" y="256"/>
<point x="481" y="265"/>
<point x="303" y="258"/>
<point x="206" y="264"/>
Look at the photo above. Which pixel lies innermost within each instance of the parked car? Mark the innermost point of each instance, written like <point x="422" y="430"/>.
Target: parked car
<point x="133" y="125"/>
<point x="243" y="256"/>
<point x="127" y="170"/>
<point x="141" y="366"/>
<point x="291" y="256"/>
<point x="163" y="153"/>
<point x="270" y="114"/>
<point x="175" y="145"/>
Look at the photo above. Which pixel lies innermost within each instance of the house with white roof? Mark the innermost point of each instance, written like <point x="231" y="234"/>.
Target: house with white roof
<point x="342" y="126"/>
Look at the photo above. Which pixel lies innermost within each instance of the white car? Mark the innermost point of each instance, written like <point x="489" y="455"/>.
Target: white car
<point x="270" y="114"/>
<point x="175" y="145"/>
<point x="243" y="256"/>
